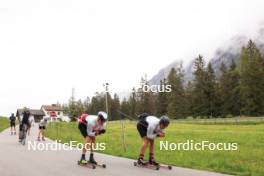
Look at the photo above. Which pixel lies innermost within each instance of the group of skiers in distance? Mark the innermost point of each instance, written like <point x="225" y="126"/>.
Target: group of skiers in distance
<point x="27" y="121"/>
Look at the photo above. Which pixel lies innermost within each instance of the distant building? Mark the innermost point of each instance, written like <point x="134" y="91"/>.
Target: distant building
<point x="36" y="113"/>
<point x="52" y="110"/>
<point x="55" y="112"/>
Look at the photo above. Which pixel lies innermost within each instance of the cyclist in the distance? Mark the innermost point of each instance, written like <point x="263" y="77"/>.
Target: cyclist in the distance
<point x="24" y="122"/>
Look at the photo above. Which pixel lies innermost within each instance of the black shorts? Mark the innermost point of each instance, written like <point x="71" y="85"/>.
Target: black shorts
<point x="142" y="127"/>
<point x="83" y="129"/>
<point x="12" y="124"/>
<point x="42" y="127"/>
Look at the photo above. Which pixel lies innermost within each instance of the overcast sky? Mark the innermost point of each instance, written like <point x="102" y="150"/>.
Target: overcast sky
<point x="48" y="47"/>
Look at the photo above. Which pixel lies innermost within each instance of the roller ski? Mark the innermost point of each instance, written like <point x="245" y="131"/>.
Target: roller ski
<point x="161" y="166"/>
<point x="99" y="165"/>
<point x="149" y="165"/>
<point x="91" y="162"/>
<point x="96" y="164"/>
<point x="85" y="163"/>
<point x="165" y="167"/>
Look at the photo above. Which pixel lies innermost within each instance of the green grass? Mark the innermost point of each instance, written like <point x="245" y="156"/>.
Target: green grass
<point x="4" y="123"/>
<point x="224" y="121"/>
<point x="247" y="161"/>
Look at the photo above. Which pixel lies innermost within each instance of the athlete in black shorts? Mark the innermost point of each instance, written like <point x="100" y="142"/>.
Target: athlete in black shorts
<point x="150" y="127"/>
<point x="91" y="126"/>
<point x="12" y="119"/>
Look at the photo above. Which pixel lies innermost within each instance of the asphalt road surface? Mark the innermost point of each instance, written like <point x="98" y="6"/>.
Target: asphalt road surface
<point x="18" y="160"/>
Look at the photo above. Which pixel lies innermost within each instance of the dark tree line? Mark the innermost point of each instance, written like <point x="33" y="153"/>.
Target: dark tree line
<point x="238" y="90"/>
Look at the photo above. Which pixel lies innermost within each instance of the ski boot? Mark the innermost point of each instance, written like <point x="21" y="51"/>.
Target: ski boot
<point x="141" y="162"/>
<point x="153" y="162"/>
<point x="83" y="160"/>
<point x="91" y="159"/>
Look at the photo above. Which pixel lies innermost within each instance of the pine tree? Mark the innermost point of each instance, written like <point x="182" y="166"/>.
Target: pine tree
<point x="125" y="108"/>
<point x="133" y="103"/>
<point x="200" y="105"/>
<point x="79" y="108"/>
<point x="115" y="107"/>
<point x="162" y="100"/>
<point x="224" y="90"/>
<point x="98" y="103"/>
<point x="229" y="90"/>
<point x="252" y="83"/>
<point x="86" y="104"/>
<point x="146" y="99"/>
<point x="189" y="98"/>
<point x="234" y="100"/>
<point x="211" y="100"/>
<point x="176" y="98"/>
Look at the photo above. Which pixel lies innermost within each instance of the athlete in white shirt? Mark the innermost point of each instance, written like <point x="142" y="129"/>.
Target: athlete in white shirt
<point x="90" y="126"/>
<point x="31" y="123"/>
<point x="149" y="128"/>
<point x="42" y="126"/>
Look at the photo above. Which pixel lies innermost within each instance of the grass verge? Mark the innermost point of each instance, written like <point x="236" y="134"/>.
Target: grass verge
<point x="4" y="123"/>
<point x="248" y="160"/>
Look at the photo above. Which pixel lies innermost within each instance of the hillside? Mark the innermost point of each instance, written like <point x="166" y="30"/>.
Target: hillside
<point x="225" y="53"/>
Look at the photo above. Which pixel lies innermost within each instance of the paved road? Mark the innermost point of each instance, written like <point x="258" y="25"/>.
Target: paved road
<point x="17" y="160"/>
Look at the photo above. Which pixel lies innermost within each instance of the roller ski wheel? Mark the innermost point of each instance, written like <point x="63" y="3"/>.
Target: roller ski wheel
<point x="100" y="165"/>
<point x="166" y="167"/>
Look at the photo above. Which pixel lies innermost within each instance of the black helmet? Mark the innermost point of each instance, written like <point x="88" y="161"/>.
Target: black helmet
<point x="164" y="120"/>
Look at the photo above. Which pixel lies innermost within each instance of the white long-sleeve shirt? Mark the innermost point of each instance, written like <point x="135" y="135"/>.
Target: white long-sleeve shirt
<point x="31" y="119"/>
<point x="153" y="127"/>
<point x="93" y="125"/>
<point x="43" y="123"/>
